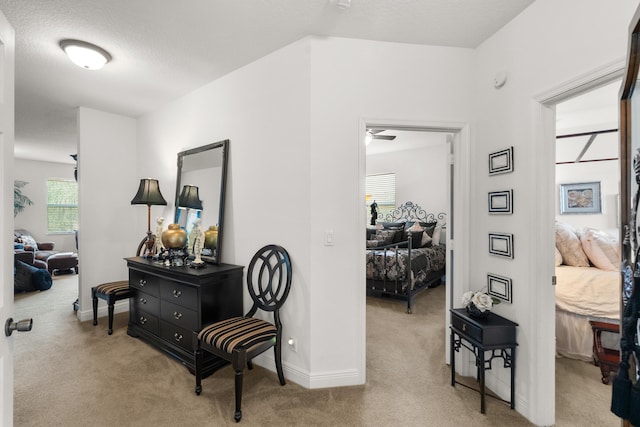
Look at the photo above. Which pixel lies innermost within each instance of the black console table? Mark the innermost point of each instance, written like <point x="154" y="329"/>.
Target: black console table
<point x="479" y="335"/>
<point x="169" y="304"/>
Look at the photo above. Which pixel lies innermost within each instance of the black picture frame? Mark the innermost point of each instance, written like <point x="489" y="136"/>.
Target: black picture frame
<point x="501" y="202"/>
<point x="499" y="287"/>
<point x="501" y="244"/>
<point x="501" y="161"/>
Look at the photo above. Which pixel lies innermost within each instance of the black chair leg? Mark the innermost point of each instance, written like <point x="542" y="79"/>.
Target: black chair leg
<point x="111" y="304"/>
<point x="250" y="364"/>
<point x="198" y="357"/>
<point x="238" y="415"/>
<point x="95" y="307"/>
<point x="278" y="356"/>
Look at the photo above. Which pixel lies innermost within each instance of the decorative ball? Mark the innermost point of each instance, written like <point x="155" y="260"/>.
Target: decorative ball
<point x="174" y="237"/>
<point x="211" y="237"/>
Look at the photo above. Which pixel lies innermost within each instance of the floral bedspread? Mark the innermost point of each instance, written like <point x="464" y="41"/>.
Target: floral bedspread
<point x="423" y="262"/>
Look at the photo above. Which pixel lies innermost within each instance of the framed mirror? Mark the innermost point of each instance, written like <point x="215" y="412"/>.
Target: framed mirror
<point x="200" y="192"/>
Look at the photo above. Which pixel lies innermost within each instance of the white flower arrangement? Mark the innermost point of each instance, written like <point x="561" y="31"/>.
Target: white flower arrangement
<point x="480" y="299"/>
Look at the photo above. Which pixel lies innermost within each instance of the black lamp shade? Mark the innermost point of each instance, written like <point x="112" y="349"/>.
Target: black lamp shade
<point x="148" y="193"/>
<point x="189" y="198"/>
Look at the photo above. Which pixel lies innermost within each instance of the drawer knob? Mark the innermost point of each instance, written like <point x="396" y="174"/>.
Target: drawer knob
<point x="464" y="327"/>
<point x="177" y="336"/>
<point x="143" y="282"/>
<point x="143" y="300"/>
<point x="177" y="293"/>
<point x="143" y="320"/>
<point x="177" y="315"/>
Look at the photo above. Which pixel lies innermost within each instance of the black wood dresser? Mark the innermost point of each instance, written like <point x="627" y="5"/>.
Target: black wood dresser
<point x="169" y="304"/>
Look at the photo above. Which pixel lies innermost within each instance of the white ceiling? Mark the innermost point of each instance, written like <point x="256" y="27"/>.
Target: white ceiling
<point x="164" y="49"/>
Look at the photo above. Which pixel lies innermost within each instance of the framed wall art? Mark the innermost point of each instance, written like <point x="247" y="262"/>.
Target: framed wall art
<point x="501" y="244"/>
<point x="501" y="161"/>
<point x="580" y="198"/>
<point x="501" y="202"/>
<point x="499" y="287"/>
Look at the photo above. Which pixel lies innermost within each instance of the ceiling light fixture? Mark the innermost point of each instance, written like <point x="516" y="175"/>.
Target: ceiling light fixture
<point x="85" y="55"/>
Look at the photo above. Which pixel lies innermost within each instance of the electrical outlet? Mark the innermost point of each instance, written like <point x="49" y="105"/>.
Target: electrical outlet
<point x="293" y="344"/>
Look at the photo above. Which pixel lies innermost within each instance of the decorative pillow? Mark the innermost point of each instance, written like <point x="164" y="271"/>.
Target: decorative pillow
<point x="29" y="278"/>
<point x="558" y="258"/>
<point x="601" y="249"/>
<point x="436" y="235"/>
<point x="386" y="236"/>
<point x="426" y="240"/>
<point x="29" y="241"/>
<point x="569" y="245"/>
<point x="374" y="243"/>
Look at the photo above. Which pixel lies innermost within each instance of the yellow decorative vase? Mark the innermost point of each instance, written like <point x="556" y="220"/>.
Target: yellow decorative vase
<point x="174" y="237"/>
<point x="211" y="237"/>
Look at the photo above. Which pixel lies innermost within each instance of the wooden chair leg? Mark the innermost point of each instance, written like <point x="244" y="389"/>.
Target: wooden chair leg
<point x="95" y="307"/>
<point x="238" y="415"/>
<point x="198" y="357"/>
<point x="111" y="304"/>
<point x="278" y="356"/>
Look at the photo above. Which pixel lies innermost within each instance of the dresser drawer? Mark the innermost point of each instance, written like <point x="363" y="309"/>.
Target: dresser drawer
<point x="145" y="320"/>
<point x="178" y="293"/>
<point x="179" y="315"/>
<point x="145" y="302"/>
<point x="144" y="282"/>
<point x="177" y="335"/>
<point x="468" y="329"/>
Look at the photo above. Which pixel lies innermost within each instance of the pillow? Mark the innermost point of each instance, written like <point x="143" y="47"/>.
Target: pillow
<point x="569" y="245"/>
<point x="426" y="240"/>
<point x="29" y="278"/>
<point x="436" y="235"/>
<point x="601" y="249"/>
<point x="29" y="241"/>
<point x="374" y="243"/>
<point x="558" y="258"/>
<point x="385" y="236"/>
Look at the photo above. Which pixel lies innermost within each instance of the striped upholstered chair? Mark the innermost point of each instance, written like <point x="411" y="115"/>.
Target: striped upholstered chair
<point x="110" y="292"/>
<point x="240" y="339"/>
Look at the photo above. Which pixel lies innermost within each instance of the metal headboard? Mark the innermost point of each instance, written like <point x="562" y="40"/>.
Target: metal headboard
<point x="410" y="211"/>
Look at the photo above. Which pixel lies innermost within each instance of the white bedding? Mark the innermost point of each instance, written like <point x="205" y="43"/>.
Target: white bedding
<point x="583" y="294"/>
<point x="588" y="291"/>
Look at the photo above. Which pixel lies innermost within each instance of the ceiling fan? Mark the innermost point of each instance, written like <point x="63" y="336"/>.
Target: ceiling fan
<point x="374" y="134"/>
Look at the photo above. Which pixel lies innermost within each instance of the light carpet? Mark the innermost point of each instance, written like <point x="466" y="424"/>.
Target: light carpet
<point x="74" y="374"/>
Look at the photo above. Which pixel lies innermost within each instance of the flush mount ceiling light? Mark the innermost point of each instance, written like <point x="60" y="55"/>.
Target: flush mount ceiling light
<point x="85" y="55"/>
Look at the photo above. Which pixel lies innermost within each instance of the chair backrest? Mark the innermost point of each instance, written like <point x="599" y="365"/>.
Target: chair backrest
<point x="269" y="279"/>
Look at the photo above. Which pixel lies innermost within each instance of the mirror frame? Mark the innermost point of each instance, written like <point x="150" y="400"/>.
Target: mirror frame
<point x="224" y="145"/>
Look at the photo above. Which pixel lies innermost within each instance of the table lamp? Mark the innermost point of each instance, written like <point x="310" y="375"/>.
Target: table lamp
<point x="148" y="194"/>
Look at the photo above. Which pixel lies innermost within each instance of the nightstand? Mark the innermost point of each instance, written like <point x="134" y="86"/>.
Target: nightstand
<point x="480" y="335"/>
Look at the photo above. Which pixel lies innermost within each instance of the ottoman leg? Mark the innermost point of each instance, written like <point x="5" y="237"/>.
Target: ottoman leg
<point x="111" y="304"/>
<point x="95" y="307"/>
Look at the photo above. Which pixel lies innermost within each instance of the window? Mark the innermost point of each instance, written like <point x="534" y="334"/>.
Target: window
<point x="382" y="190"/>
<point x="62" y="206"/>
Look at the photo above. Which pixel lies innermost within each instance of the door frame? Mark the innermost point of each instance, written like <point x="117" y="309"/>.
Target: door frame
<point x="542" y="298"/>
<point x="7" y="120"/>
<point x="458" y="220"/>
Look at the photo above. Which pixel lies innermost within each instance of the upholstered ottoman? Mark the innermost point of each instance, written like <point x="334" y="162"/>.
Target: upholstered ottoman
<point x="62" y="261"/>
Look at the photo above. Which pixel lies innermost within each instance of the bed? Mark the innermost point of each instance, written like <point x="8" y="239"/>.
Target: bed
<point x="587" y="290"/>
<point x="414" y="262"/>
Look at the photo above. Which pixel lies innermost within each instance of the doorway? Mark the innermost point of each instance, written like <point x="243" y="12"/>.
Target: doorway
<point x="454" y="140"/>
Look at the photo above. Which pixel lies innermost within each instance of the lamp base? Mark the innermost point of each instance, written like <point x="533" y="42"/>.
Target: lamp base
<point x="200" y="264"/>
<point x="147" y="247"/>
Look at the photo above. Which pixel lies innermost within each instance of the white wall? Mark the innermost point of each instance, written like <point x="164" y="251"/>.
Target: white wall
<point x="34" y="218"/>
<point x="110" y="229"/>
<point x="547" y="45"/>
<point x="605" y="172"/>
<point x="263" y="109"/>
<point x="420" y="175"/>
<point x="293" y="121"/>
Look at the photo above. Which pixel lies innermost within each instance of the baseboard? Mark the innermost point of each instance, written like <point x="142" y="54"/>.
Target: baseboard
<point x="306" y="379"/>
<point x="87" y="315"/>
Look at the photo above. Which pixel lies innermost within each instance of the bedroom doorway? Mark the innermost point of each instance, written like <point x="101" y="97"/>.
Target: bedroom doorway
<point x="440" y="148"/>
<point x="587" y="179"/>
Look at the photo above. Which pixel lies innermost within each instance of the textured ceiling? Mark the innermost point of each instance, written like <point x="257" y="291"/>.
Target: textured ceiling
<point x="164" y="49"/>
